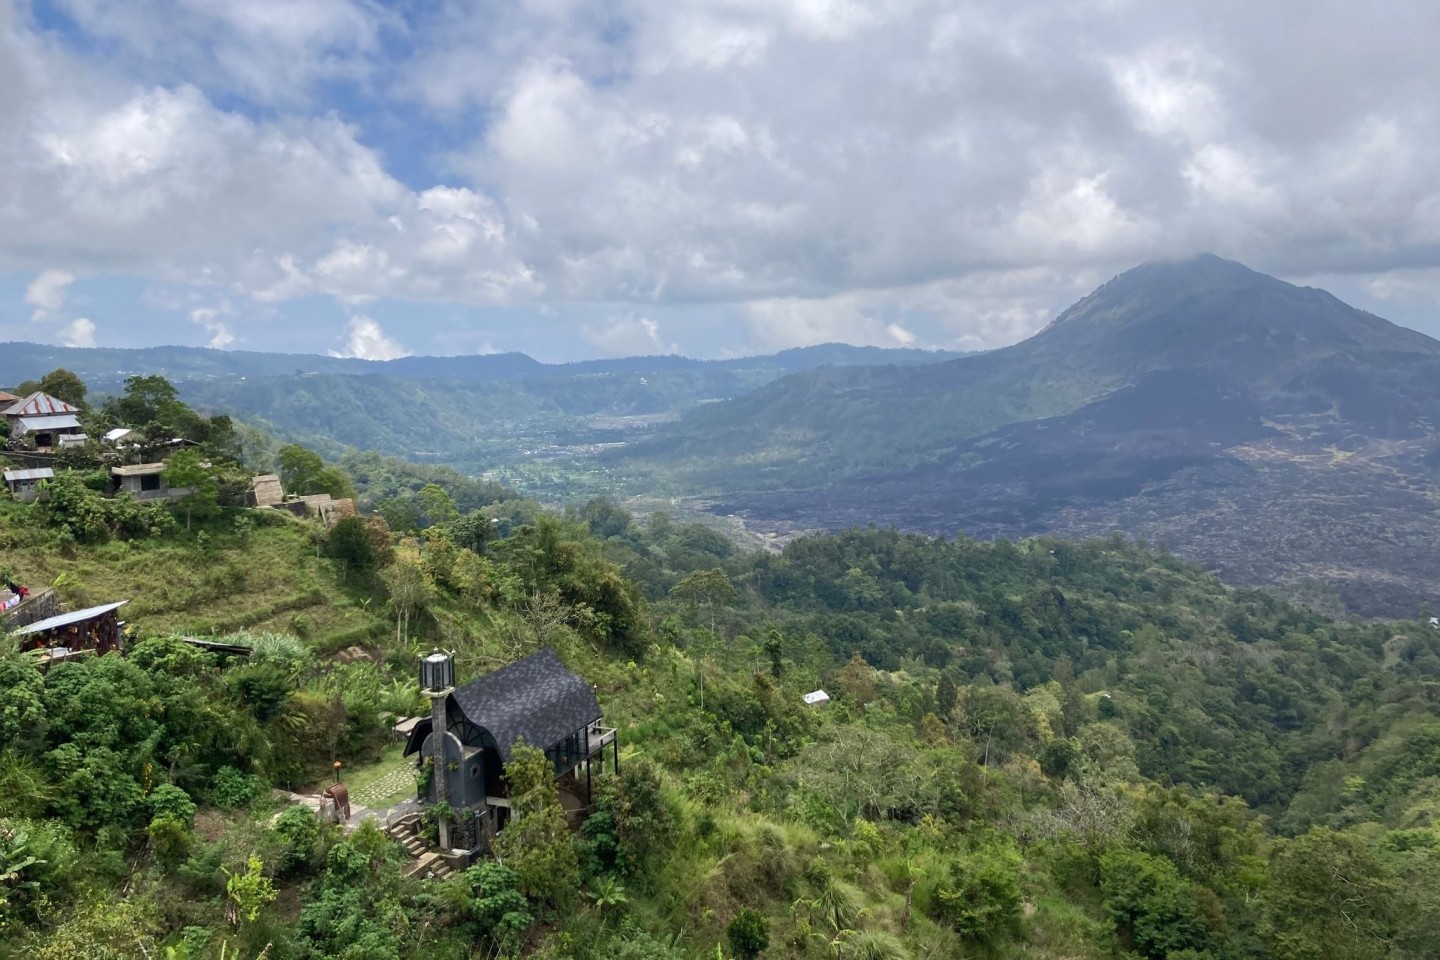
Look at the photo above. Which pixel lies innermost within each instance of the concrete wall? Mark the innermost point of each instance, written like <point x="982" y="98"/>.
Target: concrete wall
<point x="42" y="605"/>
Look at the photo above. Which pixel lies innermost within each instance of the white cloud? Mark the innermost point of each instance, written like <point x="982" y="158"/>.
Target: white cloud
<point x="221" y="336"/>
<point x="266" y="50"/>
<point x="782" y="323"/>
<point x="79" y="332"/>
<point x="365" y="340"/>
<point x="46" y="293"/>
<point x="824" y="169"/>
<point x="900" y="335"/>
<point x="627" y="336"/>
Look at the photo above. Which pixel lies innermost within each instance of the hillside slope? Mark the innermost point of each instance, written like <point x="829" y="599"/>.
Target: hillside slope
<point x="1267" y="430"/>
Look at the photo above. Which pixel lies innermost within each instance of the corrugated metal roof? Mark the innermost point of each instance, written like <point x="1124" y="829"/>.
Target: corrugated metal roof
<point x="817" y="696"/>
<point x="118" y="433"/>
<point x="38" y="405"/>
<point x="57" y="422"/>
<point x="66" y="619"/>
<point x="44" y="473"/>
<point x="72" y="439"/>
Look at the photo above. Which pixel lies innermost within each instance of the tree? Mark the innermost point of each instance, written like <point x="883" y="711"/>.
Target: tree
<point x="705" y="586"/>
<point x="144" y="400"/>
<point x="187" y="470"/>
<point x="473" y="531"/>
<point x="411" y="591"/>
<point x="946" y="696"/>
<point x="748" y="933"/>
<point x="349" y="541"/>
<point x="1329" y="896"/>
<point x="437" y="505"/>
<point x="981" y="895"/>
<point x="775" y="650"/>
<point x="497" y="904"/>
<point x="248" y="892"/>
<point x="302" y="472"/>
<point x="536" y="843"/>
<point x="1155" y="909"/>
<point x="59" y="383"/>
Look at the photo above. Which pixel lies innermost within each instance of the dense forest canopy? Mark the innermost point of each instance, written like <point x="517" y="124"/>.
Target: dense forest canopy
<point x="1036" y="748"/>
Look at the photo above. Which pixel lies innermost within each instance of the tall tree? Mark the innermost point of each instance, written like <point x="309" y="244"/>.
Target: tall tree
<point x="61" y="384"/>
<point x="536" y="843"/>
<point x="187" y="470"/>
<point x="708" y="587"/>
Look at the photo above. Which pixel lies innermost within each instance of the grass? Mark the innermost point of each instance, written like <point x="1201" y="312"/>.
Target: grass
<point x="369" y="779"/>
<point x="214" y="581"/>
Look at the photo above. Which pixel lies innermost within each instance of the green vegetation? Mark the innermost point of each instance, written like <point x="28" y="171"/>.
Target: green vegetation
<point x="1034" y="749"/>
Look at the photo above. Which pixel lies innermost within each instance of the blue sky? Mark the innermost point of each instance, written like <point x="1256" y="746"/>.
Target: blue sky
<point x="714" y="177"/>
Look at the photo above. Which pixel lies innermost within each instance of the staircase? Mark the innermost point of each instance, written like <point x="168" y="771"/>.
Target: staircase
<point x="424" y="862"/>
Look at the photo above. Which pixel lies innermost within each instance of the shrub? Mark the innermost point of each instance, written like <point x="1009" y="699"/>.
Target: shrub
<point x="169" y="801"/>
<point x="748" y="933"/>
<point x="980" y="896"/>
<point x="231" y="789"/>
<point x="300" y="836"/>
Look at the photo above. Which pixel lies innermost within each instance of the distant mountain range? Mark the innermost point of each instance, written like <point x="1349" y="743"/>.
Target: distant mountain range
<point x="109" y="366"/>
<point x="1268" y="430"/>
<point x="475" y="412"/>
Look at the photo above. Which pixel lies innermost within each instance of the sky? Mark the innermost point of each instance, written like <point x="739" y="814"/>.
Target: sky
<point x="578" y="179"/>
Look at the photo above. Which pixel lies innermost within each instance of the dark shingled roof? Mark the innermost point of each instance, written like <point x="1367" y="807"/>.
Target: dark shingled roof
<point x="535" y="699"/>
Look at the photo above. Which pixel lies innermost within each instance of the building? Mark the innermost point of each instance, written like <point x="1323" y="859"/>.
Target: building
<point x="95" y="630"/>
<point x="42" y="418"/>
<point x="146" y="481"/>
<point x="24" y="485"/>
<point x="816" y="698"/>
<point x="267" y="490"/>
<point x="534" y="700"/>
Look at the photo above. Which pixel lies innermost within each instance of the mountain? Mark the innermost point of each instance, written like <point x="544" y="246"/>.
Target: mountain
<point x="106" y="367"/>
<point x="1267" y="430"/>
<point x="478" y="413"/>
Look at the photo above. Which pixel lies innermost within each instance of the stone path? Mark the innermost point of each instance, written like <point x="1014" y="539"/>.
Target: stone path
<point x="385" y="789"/>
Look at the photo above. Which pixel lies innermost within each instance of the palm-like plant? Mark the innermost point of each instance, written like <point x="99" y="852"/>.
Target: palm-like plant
<point x="608" y="895"/>
<point x="872" y="945"/>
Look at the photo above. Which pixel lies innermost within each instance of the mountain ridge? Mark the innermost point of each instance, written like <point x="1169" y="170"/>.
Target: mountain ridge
<point x="1257" y="426"/>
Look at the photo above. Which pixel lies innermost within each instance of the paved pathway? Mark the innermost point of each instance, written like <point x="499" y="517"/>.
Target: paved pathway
<point x="387" y="787"/>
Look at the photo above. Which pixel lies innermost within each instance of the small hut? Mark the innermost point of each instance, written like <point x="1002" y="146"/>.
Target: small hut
<point x="24" y="485"/>
<point x="96" y="629"/>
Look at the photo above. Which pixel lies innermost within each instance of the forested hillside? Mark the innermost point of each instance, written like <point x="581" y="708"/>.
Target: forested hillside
<point x="1033" y="749"/>
<point x="1266" y="430"/>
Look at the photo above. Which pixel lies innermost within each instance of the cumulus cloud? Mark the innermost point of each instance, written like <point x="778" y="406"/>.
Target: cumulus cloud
<point x="46" y="293"/>
<point x="208" y="318"/>
<point x="365" y="340"/>
<point x="627" y="336"/>
<point x="267" y="50"/>
<point x="877" y="172"/>
<point x="79" y="332"/>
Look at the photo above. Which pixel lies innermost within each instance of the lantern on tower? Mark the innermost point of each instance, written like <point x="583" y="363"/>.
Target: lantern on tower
<point x="437" y="673"/>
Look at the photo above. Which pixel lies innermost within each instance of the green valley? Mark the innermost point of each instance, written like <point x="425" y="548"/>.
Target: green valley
<point x="1035" y="748"/>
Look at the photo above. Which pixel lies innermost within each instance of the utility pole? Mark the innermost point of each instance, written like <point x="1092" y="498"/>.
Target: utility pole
<point x="437" y="680"/>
